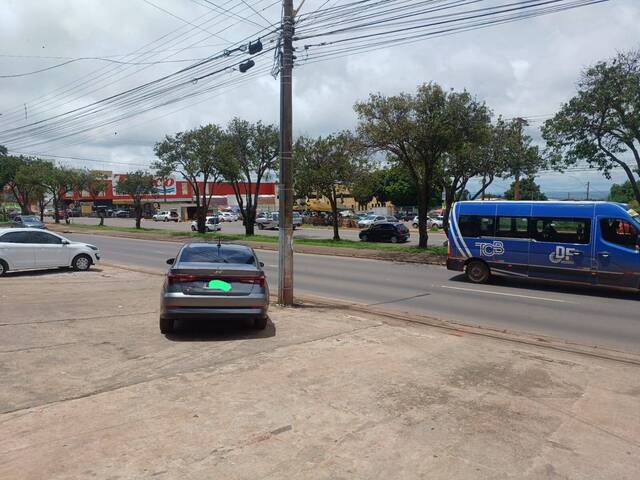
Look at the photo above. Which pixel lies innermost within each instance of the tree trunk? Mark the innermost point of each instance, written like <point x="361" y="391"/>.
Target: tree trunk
<point x="334" y="209"/>
<point x="449" y="197"/>
<point x="423" y="206"/>
<point x="249" y="220"/>
<point x="138" y="210"/>
<point x="516" y="187"/>
<point x="56" y="210"/>
<point x="101" y="219"/>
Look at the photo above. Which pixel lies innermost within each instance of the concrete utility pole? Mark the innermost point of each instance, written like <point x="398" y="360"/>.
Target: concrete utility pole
<point x="588" y="188"/>
<point x="285" y="186"/>
<point x="521" y="122"/>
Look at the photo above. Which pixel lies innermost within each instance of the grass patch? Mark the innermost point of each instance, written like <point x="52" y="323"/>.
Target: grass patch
<point x="389" y="247"/>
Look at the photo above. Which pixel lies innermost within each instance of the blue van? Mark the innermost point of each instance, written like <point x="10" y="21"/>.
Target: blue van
<point x="591" y="243"/>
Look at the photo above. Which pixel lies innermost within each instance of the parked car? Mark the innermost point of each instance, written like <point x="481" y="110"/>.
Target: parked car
<point x="227" y="216"/>
<point x="214" y="281"/>
<point x="212" y="224"/>
<point x="121" y="213"/>
<point x="28" y="249"/>
<point x="74" y="212"/>
<point x="414" y="222"/>
<point x="166" y="216"/>
<point x="393" y="232"/>
<point x="27" y="221"/>
<point x="271" y="221"/>
<point x="370" y="219"/>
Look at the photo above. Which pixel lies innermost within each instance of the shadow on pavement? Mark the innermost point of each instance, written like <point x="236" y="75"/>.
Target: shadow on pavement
<point x="40" y="273"/>
<point x="218" y="331"/>
<point x="543" y="286"/>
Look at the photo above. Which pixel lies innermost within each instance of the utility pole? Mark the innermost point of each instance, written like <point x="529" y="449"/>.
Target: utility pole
<point x="285" y="185"/>
<point x="521" y="122"/>
<point x="588" y="187"/>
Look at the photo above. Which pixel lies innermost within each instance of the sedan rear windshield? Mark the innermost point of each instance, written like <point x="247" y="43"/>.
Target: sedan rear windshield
<point x="217" y="254"/>
<point x="28" y="218"/>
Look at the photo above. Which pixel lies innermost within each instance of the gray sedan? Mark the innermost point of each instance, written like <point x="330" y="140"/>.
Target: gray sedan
<point x="27" y="221"/>
<point x="214" y="281"/>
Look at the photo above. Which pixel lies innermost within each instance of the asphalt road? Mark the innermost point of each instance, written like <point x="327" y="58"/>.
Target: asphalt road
<point x="237" y="228"/>
<point x="584" y="315"/>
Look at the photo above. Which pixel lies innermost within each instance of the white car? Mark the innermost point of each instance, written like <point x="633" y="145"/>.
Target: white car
<point x="212" y="224"/>
<point x="166" y="217"/>
<point x="30" y="249"/>
<point x="227" y="217"/>
<point x="371" y="219"/>
<point x="414" y="223"/>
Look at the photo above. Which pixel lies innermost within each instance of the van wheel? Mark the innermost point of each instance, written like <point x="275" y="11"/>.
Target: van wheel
<point x="4" y="268"/>
<point x="260" y="323"/>
<point x="477" y="271"/>
<point x="81" y="263"/>
<point x="166" y="325"/>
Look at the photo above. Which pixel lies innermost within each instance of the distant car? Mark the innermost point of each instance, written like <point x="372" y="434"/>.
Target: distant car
<point x="121" y="213"/>
<point x="371" y="219"/>
<point x="214" y="281"/>
<point x="166" y="216"/>
<point x="212" y="224"/>
<point x="74" y="212"/>
<point x="272" y="221"/>
<point x="28" y="249"/>
<point x="27" y="221"/>
<point x="414" y="222"/>
<point x="227" y="216"/>
<point x="393" y="232"/>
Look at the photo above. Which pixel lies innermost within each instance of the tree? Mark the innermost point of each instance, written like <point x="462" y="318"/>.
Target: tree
<point x="58" y="181"/>
<point x="529" y="190"/>
<point x="364" y="188"/>
<point x="255" y="155"/>
<point x="601" y="124"/>
<point x="493" y="156"/>
<point x="95" y="184"/>
<point x="136" y="185"/>
<point x="328" y="166"/>
<point x="199" y="156"/>
<point x="23" y="186"/>
<point x="419" y="130"/>
<point x="621" y="193"/>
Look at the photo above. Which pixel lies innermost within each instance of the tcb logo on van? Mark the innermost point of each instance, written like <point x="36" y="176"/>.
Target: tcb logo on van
<point x="491" y="249"/>
<point x="563" y="255"/>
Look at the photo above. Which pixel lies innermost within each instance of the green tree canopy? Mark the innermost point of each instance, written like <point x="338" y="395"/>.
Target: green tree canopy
<point x="136" y="185"/>
<point x="327" y="166"/>
<point x="622" y="193"/>
<point x="253" y="157"/>
<point x="529" y="190"/>
<point x="419" y="130"/>
<point x="601" y="123"/>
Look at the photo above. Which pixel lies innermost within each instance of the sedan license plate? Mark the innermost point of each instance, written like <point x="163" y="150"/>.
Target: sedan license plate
<point x="220" y="285"/>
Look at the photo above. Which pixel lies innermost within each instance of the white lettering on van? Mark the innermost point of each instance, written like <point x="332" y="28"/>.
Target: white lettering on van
<point x="491" y="249"/>
<point x="563" y="255"/>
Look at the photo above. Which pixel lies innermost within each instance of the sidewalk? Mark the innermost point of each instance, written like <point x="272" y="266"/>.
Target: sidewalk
<point x="90" y="389"/>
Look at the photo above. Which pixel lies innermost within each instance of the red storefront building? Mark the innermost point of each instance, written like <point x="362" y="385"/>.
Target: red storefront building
<point x="173" y="194"/>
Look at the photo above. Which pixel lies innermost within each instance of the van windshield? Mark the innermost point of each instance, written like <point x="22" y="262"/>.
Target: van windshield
<point x="635" y="215"/>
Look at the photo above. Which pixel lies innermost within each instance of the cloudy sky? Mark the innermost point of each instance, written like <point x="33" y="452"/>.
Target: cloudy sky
<point x="527" y="68"/>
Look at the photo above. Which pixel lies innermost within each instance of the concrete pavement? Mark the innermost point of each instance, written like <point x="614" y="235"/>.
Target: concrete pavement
<point x="90" y="389"/>
<point x="575" y="314"/>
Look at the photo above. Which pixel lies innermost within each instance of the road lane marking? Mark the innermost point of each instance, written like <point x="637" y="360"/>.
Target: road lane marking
<point x="545" y="299"/>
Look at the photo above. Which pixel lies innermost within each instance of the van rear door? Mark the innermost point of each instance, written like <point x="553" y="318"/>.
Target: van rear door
<point x="616" y="253"/>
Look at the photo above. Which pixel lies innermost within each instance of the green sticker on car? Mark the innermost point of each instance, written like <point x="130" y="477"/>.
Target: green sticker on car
<point x="219" y="285"/>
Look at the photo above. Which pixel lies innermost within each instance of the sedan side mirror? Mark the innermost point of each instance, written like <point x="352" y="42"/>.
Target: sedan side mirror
<point x="262" y="264"/>
<point x="171" y="261"/>
<point x="65" y="242"/>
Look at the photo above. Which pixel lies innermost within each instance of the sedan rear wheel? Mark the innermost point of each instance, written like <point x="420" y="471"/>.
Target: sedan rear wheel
<point x="260" y="323"/>
<point x="166" y="325"/>
<point x="193" y="229"/>
<point x="260" y="226"/>
<point x="394" y="239"/>
<point x="365" y="238"/>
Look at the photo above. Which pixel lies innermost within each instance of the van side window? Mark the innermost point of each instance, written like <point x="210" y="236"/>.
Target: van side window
<point x="619" y="232"/>
<point x="512" y="227"/>
<point x="476" y="226"/>
<point x="561" y="230"/>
